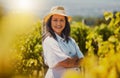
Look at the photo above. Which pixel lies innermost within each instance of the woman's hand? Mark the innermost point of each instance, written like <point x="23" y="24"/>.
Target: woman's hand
<point x="76" y="61"/>
<point x="69" y="62"/>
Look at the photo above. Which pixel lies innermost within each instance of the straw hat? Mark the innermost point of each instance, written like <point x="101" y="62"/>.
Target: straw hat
<point x="57" y="10"/>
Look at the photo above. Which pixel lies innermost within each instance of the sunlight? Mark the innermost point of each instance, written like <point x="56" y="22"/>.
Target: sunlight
<point x="37" y="7"/>
<point x="25" y="5"/>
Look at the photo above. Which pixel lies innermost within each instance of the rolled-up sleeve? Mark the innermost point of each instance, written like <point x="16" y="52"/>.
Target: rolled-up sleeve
<point x="52" y="52"/>
<point x="79" y="53"/>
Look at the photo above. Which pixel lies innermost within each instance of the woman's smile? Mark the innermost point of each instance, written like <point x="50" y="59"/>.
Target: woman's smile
<point x="58" y="27"/>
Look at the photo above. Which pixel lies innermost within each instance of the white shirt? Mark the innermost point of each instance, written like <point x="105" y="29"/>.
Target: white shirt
<point x="57" y="51"/>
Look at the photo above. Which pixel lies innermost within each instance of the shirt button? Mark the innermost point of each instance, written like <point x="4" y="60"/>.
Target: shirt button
<point x="69" y="52"/>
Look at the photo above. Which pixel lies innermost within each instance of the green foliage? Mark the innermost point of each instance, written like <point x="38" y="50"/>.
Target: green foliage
<point x="29" y="49"/>
<point x="113" y="17"/>
<point x="103" y="39"/>
<point x="90" y="40"/>
<point x="104" y="31"/>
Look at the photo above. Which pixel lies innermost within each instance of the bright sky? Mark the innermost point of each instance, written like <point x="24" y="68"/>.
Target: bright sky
<point x="40" y="7"/>
<point x="23" y="5"/>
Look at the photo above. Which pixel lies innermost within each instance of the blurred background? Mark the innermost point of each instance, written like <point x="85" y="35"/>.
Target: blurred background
<point x="78" y="7"/>
<point x="95" y="26"/>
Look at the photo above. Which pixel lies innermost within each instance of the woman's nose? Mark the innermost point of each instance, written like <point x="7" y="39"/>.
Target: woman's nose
<point x="58" y="23"/>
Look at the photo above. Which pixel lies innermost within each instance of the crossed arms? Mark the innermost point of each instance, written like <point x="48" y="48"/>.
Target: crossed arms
<point x="70" y="62"/>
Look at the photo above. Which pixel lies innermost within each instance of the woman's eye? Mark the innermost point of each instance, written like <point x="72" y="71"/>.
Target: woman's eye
<point x="62" y="20"/>
<point x="55" y="20"/>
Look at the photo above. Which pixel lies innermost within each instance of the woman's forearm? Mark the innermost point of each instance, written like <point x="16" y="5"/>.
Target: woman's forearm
<point x="69" y="62"/>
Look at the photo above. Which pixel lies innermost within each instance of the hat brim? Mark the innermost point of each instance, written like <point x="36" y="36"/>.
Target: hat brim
<point x="49" y="15"/>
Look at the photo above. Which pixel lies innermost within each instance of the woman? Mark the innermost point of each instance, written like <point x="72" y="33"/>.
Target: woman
<point x="61" y="53"/>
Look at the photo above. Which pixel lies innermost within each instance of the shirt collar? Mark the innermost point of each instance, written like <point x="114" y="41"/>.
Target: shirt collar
<point x="59" y="38"/>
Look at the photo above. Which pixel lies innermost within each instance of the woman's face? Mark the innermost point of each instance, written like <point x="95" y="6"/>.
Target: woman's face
<point x="58" y="23"/>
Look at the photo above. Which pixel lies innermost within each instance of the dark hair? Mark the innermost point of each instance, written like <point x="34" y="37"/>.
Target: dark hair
<point x="65" y="32"/>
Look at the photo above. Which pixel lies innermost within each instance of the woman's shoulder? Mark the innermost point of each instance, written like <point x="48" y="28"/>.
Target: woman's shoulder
<point x="49" y="40"/>
<point x="72" y="39"/>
